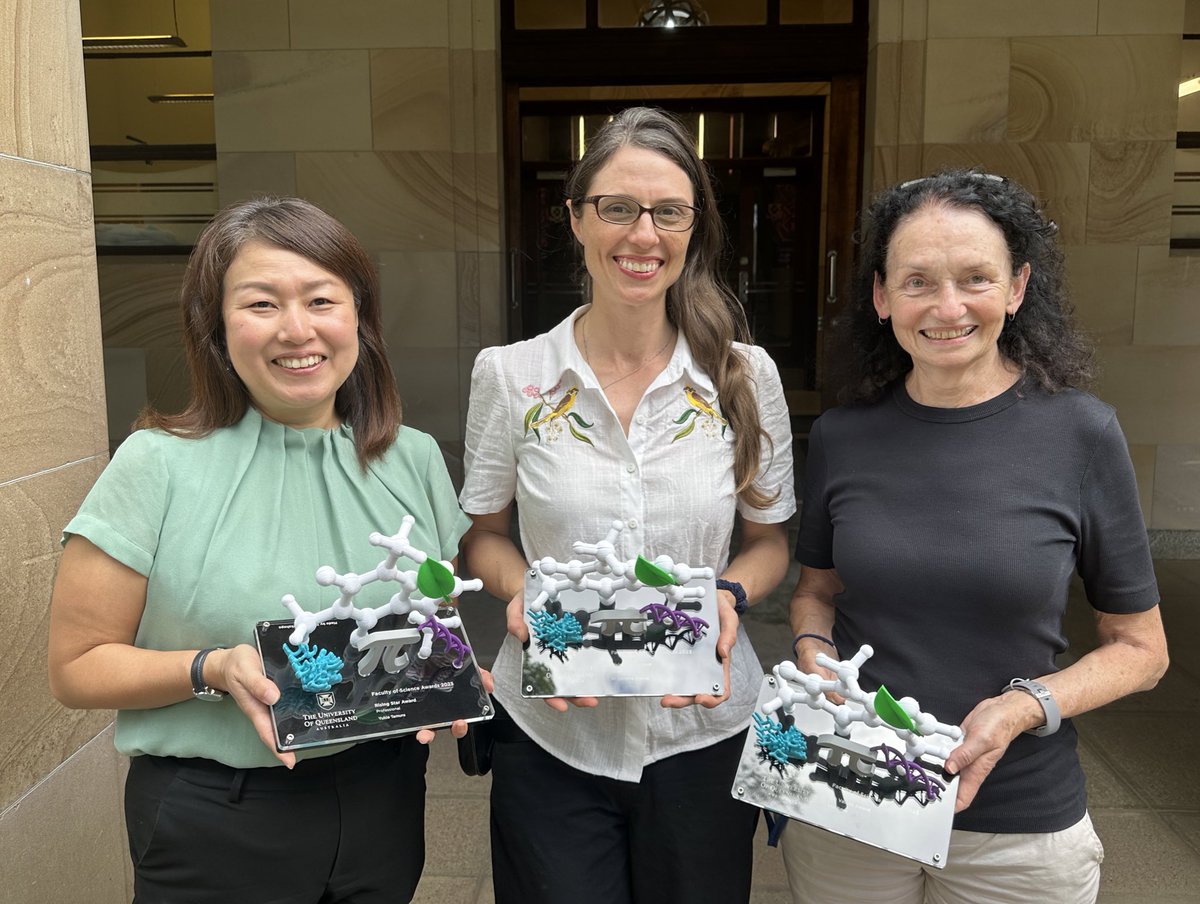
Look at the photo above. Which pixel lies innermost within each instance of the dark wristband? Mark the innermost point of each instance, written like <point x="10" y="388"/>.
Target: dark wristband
<point x="740" y="605"/>
<point x="800" y="637"/>
<point x="200" y="690"/>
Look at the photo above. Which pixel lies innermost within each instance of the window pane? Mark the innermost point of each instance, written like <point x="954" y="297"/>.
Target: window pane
<point x="1185" y="203"/>
<point x="785" y="134"/>
<point x="736" y="12"/>
<point x="816" y="12"/>
<point x="550" y="13"/>
<point x="153" y="202"/>
<point x="558" y="139"/>
<point x="1189" y="104"/>
<point x="720" y="134"/>
<point x="546" y="138"/>
<point x="716" y="135"/>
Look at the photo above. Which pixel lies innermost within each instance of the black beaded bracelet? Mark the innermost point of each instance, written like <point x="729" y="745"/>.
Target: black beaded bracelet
<point x="800" y="637"/>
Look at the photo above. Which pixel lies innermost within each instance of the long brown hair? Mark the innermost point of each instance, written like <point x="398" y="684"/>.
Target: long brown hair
<point x="368" y="401"/>
<point x="699" y="304"/>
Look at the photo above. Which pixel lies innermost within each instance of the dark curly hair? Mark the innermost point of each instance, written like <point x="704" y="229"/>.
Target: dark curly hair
<point x="1043" y="340"/>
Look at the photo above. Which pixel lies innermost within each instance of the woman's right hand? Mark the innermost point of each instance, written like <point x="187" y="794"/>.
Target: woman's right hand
<point x="806" y="658"/>
<point x="238" y="671"/>
<point x="806" y="661"/>
<point x="811" y="615"/>
<point x="515" y="615"/>
<point x="490" y="554"/>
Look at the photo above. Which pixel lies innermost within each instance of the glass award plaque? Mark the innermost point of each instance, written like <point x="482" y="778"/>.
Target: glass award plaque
<point x="348" y="673"/>
<point x="383" y="688"/>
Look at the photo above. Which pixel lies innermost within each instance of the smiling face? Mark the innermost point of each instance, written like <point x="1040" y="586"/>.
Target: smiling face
<point x="291" y="329"/>
<point x="634" y="264"/>
<point x="948" y="290"/>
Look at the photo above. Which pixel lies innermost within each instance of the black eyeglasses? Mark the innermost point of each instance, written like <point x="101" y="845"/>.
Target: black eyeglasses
<point x="622" y="211"/>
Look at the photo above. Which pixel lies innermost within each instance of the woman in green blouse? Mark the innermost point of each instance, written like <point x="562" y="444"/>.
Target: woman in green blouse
<point x="288" y="455"/>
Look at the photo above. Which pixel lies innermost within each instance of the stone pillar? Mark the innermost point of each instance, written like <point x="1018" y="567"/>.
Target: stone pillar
<point x="60" y="824"/>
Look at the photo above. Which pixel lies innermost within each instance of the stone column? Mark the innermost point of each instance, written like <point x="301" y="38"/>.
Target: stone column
<point x="60" y="824"/>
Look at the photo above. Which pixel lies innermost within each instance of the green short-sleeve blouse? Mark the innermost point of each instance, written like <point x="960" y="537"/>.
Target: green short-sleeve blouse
<point x="223" y="526"/>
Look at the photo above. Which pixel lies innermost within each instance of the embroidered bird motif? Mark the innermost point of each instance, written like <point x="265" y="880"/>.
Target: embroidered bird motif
<point x="559" y="410"/>
<point x="702" y="405"/>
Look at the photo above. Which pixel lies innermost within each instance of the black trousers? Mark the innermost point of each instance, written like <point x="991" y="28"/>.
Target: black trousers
<point x="348" y="828"/>
<point x="562" y="836"/>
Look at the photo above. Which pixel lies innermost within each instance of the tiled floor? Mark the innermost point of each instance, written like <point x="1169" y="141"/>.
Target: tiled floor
<point x="1145" y="805"/>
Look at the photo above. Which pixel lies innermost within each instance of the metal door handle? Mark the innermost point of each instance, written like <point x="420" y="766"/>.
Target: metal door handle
<point x="831" y="278"/>
<point x="514" y="281"/>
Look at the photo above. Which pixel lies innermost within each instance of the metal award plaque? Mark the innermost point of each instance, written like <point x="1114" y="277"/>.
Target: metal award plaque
<point x="611" y="628"/>
<point x="869" y="768"/>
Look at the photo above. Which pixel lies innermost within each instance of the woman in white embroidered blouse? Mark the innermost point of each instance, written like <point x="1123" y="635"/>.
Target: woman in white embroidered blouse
<point x="611" y="801"/>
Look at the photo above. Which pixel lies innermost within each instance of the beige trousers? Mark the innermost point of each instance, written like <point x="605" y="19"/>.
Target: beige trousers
<point x="1064" y="867"/>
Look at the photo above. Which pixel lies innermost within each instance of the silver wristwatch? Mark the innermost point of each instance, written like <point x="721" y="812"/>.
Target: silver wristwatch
<point x="1042" y="695"/>
<point x="200" y="690"/>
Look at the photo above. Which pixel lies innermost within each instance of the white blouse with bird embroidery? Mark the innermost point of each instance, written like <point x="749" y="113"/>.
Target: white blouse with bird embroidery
<point x="541" y="432"/>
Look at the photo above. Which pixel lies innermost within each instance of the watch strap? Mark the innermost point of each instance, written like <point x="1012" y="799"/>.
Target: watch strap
<point x="740" y="605"/>
<point x="200" y="690"/>
<point x="1045" y="698"/>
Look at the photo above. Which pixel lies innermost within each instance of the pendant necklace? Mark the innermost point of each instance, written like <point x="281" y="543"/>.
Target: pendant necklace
<point x="588" y="358"/>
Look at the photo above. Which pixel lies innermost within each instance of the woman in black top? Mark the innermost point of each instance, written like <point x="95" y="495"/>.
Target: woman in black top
<point x="945" y="510"/>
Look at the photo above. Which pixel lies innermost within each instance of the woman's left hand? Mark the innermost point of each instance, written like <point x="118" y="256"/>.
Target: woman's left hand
<point x="760" y="564"/>
<point x="990" y="727"/>
<point x="725" y="640"/>
<point x="1131" y="656"/>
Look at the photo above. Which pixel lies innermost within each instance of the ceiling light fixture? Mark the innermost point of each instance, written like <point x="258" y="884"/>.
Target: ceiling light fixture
<point x="131" y="42"/>
<point x="672" y="14"/>
<point x="137" y="42"/>
<point x="180" y="98"/>
<point x="1191" y="86"/>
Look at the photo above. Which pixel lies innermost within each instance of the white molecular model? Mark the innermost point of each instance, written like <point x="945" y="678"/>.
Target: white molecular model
<point x="795" y="688"/>
<point x="607" y="574"/>
<point x="420" y="596"/>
